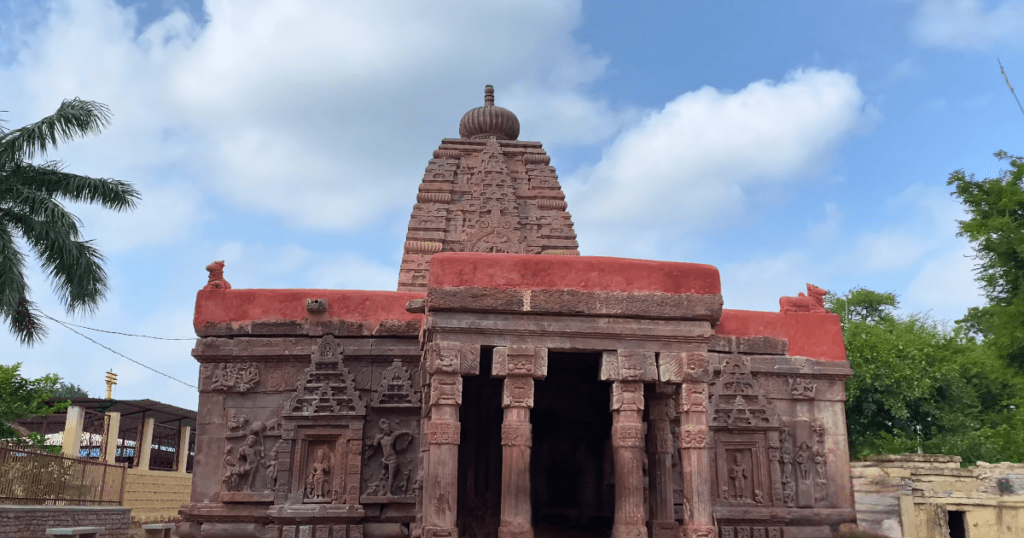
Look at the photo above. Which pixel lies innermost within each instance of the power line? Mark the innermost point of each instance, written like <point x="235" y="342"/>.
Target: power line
<point x="68" y="327"/>
<point x="119" y="333"/>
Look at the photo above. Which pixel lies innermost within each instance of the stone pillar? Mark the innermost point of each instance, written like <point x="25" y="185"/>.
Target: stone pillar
<point x="145" y="443"/>
<point x="627" y="370"/>
<point x="112" y="429"/>
<point x="446" y="363"/>
<point x="660" y="446"/>
<point x="186" y="433"/>
<point x="73" y="425"/>
<point x="692" y="371"/>
<point x="519" y="365"/>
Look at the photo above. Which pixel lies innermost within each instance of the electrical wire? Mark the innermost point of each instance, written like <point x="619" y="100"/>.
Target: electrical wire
<point x="115" y="332"/>
<point x="68" y="327"/>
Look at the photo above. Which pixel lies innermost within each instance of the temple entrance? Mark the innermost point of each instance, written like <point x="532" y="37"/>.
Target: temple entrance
<point x="571" y="471"/>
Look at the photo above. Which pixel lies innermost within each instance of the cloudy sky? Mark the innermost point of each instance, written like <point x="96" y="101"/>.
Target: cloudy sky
<point x="784" y="142"/>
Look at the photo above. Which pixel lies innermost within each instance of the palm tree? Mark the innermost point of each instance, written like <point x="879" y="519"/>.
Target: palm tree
<point x="31" y="210"/>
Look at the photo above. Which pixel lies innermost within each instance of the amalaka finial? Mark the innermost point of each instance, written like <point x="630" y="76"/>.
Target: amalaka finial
<point x="488" y="95"/>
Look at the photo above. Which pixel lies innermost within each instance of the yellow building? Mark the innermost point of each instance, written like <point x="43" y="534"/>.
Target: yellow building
<point x="929" y="496"/>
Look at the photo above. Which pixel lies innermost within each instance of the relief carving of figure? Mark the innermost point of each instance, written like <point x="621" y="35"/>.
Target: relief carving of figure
<point x="315" y="483"/>
<point x="250" y="455"/>
<point x="803" y="460"/>
<point x="739" y="476"/>
<point x="271" y="465"/>
<point x="391" y="443"/>
<point x="231" y="469"/>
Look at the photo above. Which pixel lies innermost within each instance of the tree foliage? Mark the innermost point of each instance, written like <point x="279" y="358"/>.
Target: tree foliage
<point x="996" y="231"/>
<point x="69" y="390"/>
<point x="918" y="385"/>
<point x="21" y="397"/>
<point x="31" y="209"/>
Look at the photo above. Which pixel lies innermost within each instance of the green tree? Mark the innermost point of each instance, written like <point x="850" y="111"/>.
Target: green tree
<point x="69" y="390"/>
<point x="31" y="209"/>
<point x="918" y="385"/>
<point x="21" y="397"/>
<point x="996" y="231"/>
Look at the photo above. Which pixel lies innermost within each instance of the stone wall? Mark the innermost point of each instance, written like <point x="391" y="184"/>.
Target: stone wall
<point x="156" y="496"/>
<point x="912" y="495"/>
<point x="21" y="521"/>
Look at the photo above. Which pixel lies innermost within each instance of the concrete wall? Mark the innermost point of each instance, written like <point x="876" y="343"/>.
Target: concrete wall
<point x="23" y="521"/>
<point x="910" y="496"/>
<point x="155" y="496"/>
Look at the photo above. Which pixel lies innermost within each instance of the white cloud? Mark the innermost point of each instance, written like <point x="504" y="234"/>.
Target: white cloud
<point x="968" y="24"/>
<point x="692" y="162"/>
<point x="298" y="109"/>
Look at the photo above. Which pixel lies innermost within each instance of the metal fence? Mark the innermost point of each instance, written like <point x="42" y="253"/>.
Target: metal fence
<point x="163" y="456"/>
<point x="31" y="477"/>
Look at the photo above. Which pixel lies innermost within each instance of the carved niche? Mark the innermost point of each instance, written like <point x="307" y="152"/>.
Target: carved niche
<point x="746" y="430"/>
<point x="492" y="224"/>
<point x="322" y="423"/>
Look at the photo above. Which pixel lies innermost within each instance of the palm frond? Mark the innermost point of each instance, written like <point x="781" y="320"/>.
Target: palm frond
<point x="51" y="180"/>
<point x="15" y="307"/>
<point x="16" y="199"/>
<point x="74" y="267"/>
<point x="74" y="118"/>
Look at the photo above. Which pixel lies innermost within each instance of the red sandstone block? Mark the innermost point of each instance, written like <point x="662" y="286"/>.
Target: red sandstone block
<point x="816" y="336"/>
<point x="585" y="273"/>
<point x="284" y="307"/>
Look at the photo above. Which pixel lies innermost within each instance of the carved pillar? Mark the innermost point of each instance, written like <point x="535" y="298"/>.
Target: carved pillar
<point x="628" y="370"/>
<point x="660" y="446"/>
<point x="519" y="365"/>
<point x="692" y="371"/>
<point x="446" y="362"/>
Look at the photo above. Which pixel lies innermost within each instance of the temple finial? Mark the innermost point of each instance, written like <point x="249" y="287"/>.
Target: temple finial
<point x="488" y="95"/>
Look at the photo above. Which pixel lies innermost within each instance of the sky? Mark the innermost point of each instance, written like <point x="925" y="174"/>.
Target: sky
<point x="784" y="142"/>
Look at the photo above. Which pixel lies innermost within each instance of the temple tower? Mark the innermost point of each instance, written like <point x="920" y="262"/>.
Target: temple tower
<point x="486" y="192"/>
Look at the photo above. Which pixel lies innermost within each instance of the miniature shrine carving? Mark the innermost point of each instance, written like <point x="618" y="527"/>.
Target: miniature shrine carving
<point x="395" y="389"/>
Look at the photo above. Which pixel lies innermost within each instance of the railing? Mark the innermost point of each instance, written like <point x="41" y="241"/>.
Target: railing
<point x="163" y="456"/>
<point x="38" y="478"/>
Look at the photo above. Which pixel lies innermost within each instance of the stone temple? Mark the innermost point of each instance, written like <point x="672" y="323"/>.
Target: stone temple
<point x="512" y="388"/>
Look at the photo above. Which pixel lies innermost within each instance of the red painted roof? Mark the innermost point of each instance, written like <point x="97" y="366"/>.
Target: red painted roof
<point x="585" y="273"/>
<point x="241" y="305"/>
<point x="817" y="336"/>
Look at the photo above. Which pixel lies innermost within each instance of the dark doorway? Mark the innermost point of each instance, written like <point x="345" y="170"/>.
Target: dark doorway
<point x="480" y="452"/>
<point x="957" y="524"/>
<point x="571" y="471"/>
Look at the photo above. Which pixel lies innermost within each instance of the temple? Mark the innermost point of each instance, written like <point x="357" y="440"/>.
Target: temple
<point x="512" y="388"/>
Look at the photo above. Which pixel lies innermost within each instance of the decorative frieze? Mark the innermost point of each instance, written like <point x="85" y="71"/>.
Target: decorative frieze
<point x="517" y="434"/>
<point x="229" y="377"/>
<point x="629" y="366"/>
<point x="444" y="432"/>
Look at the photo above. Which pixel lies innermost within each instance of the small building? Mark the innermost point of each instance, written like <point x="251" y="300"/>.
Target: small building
<point x="925" y="495"/>
<point x="513" y="388"/>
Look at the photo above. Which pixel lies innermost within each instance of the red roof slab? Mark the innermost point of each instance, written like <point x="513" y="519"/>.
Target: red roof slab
<point x="583" y="273"/>
<point x="243" y="307"/>
<point x="816" y="336"/>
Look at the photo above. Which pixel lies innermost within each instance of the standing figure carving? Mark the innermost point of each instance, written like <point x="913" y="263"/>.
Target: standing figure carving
<point x="315" y="483"/>
<point x="391" y="443"/>
<point x="739" y="476"/>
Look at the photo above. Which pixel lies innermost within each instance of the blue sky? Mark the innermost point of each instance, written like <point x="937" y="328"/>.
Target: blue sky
<point x="783" y="142"/>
